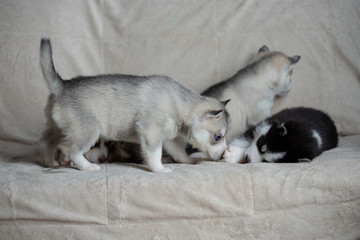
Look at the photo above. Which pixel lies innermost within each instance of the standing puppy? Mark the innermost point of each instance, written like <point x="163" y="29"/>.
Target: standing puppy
<point x="292" y="135"/>
<point x="152" y="110"/>
<point x="253" y="89"/>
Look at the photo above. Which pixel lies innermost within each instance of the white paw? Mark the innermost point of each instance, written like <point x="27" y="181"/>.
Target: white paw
<point x="91" y="167"/>
<point x="163" y="170"/>
<point x="233" y="154"/>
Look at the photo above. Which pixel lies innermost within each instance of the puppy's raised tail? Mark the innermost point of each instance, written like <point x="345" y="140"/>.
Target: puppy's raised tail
<point x="53" y="79"/>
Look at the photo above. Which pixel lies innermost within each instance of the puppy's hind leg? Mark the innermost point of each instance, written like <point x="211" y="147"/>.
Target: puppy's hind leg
<point x="82" y="163"/>
<point x="75" y="152"/>
<point x="75" y="144"/>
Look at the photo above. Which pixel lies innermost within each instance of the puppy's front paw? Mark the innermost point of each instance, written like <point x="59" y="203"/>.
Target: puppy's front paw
<point x="233" y="154"/>
<point x="91" y="167"/>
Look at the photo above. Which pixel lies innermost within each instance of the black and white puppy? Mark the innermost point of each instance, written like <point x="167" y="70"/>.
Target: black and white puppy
<point x="292" y="135"/>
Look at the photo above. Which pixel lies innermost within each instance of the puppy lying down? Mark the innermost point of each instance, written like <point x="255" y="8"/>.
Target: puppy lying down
<point x="154" y="111"/>
<point x="292" y="135"/>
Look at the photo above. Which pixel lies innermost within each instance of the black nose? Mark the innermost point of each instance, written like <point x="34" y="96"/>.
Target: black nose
<point x="247" y="159"/>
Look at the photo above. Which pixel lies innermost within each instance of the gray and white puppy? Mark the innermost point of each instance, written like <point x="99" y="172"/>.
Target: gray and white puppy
<point x="154" y="111"/>
<point x="253" y="89"/>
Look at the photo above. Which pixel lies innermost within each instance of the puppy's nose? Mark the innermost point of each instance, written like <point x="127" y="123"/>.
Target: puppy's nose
<point x="102" y="159"/>
<point x="247" y="159"/>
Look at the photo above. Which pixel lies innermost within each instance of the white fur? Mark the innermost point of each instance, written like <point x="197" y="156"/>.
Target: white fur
<point x="261" y="130"/>
<point x="234" y="154"/>
<point x="241" y="147"/>
<point x="82" y="163"/>
<point x="252" y="153"/>
<point x="317" y="137"/>
<point x="271" y="157"/>
<point x="153" y="158"/>
<point x="211" y="150"/>
<point x="97" y="154"/>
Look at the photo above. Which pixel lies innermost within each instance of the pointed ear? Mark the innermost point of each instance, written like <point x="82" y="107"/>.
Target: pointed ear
<point x="263" y="49"/>
<point x="294" y="59"/>
<point x="225" y="102"/>
<point x="211" y="114"/>
<point x="282" y="129"/>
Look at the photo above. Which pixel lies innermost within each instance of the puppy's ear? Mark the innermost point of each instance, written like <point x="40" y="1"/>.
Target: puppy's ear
<point x="294" y="59"/>
<point x="225" y="102"/>
<point x="211" y="114"/>
<point x="281" y="128"/>
<point x="263" y="49"/>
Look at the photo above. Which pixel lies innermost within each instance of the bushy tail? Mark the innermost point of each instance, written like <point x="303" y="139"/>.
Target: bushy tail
<point x="53" y="79"/>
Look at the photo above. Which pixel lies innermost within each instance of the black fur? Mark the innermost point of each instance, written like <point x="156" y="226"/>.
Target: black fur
<point x="291" y="131"/>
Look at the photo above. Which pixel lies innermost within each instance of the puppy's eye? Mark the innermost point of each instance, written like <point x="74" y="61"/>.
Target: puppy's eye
<point x="217" y="138"/>
<point x="263" y="148"/>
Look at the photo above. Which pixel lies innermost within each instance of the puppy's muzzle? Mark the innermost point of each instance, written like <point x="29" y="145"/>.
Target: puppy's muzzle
<point x="216" y="156"/>
<point x="102" y="159"/>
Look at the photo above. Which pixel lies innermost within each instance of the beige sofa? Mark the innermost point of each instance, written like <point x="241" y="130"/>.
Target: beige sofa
<point x="198" y="43"/>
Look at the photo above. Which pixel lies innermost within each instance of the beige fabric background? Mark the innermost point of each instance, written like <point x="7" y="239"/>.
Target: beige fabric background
<point x="198" y="43"/>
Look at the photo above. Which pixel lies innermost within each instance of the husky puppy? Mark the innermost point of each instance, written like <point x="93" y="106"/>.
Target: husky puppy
<point x="292" y="135"/>
<point x="253" y="89"/>
<point x="154" y="111"/>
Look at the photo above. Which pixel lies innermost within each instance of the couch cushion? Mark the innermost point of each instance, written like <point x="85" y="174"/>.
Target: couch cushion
<point x="120" y="196"/>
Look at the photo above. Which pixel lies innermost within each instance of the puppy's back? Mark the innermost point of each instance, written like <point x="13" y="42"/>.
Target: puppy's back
<point x="316" y="122"/>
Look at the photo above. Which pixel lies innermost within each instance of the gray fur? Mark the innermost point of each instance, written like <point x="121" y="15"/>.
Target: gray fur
<point x="150" y="110"/>
<point x="252" y="90"/>
<point x="47" y="67"/>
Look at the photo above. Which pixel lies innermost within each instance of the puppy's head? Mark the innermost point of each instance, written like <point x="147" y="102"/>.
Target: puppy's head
<point x="210" y="123"/>
<point x="271" y="143"/>
<point x="280" y="67"/>
<point x="98" y="153"/>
